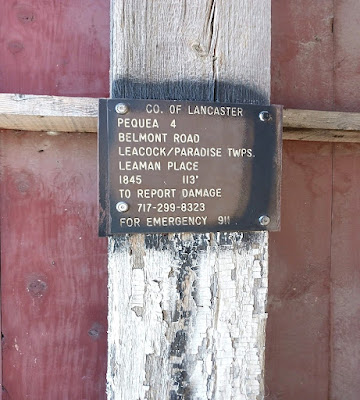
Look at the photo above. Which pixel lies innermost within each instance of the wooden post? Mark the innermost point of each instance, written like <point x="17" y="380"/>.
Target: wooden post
<point x="187" y="312"/>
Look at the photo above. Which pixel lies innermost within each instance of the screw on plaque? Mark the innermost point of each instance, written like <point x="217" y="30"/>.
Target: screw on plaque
<point x="265" y="116"/>
<point x="121" y="206"/>
<point x="264" y="220"/>
<point x="121" y="108"/>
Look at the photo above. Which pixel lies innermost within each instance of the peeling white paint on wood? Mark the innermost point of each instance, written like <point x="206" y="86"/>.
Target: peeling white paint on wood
<point x="187" y="312"/>
<point x="187" y="316"/>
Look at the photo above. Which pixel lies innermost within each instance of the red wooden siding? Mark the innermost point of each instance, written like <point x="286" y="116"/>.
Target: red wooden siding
<point x="53" y="265"/>
<point x="345" y="274"/>
<point x="54" y="298"/>
<point x="53" y="273"/>
<point x="346" y="55"/>
<point x="55" y="47"/>
<point x="345" y="243"/>
<point x="298" y="330"/>
<point x="314" y="315"/>
<point x="298" y="327"/>
<point x="302" y="54"/>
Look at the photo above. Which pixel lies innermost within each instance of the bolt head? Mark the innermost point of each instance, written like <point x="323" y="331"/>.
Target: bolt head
<point x="121" y="206"/>
<point x="264" y="220"/>
<point x="265" y="116"/>
<point x="121" y="108"/>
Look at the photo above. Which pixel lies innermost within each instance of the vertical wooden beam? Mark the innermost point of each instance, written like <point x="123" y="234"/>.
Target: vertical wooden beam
<point x="187" y="312"/>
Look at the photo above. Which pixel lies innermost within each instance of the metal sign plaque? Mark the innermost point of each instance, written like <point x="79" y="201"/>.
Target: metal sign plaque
<point x="176" y="166"/>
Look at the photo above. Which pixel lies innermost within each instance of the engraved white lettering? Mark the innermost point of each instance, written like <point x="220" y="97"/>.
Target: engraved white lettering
<point x="142" y="151"/>
<point x="175" y="108"/>
<point x="157" y="193"/>
<point x="176" y="221"/>
<point x="130" y="179"/>
<point x="138" y="123"/>
<point x="139" y="165"/>
<point x="125" y="193"/>
<point x="201" y="192"/>
<point x="239" y="152"/>
<point x="152" y="108"/>
<point x="223" y="220"/>
<point x="197" y="151"/>
<point x="130" y="222"/>
<point x="183" y="166"/>
<point x="214" y="110"/>
<point x="146" y="137"/>
<point x="189" y="179"/>
<point x="186" y="138"/>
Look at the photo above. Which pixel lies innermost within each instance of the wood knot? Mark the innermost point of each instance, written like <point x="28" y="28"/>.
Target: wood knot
<point x="199" y="49"/>
<point x="24" y="183"/>
<point x="15" y="46"/>
<point x="25" y="14"/>
<point x="95" y="331"/>
<point x="37" y="287"/>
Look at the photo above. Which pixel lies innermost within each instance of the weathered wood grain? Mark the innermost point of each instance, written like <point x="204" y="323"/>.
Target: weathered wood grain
<point x="345" y="277"/>
<point x="345" y="255"/>
<point x="54" y="328"/>
<point x="48" y="106"/>
<point x="79" y="114"/>
<point x="187" y="312"/>
<point x="53" y="268"/>
<point x="299" y="349"/>
<point x="55" y="47"/>
<point x="302" y="54"/>
<point x="346" y="55"/>
<point x="48" y="113"/>
<point x="321" y="135"/>
<point x="312" y="119"/>
<point x="297" y="338"/>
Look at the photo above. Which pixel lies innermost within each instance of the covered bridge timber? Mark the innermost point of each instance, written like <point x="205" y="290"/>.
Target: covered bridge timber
<point x="53" y="265"/>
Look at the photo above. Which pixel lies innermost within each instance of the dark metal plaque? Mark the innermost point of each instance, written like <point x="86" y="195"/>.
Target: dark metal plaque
<point x="175" y="166"/>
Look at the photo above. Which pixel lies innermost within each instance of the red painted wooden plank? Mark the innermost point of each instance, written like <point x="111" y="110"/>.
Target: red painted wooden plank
<point x="347" y="50"/>
<point x="2" y="397"/>
<point x="345" y="383"/>
<point x="302" y="54"/>
<point x="54" y="295"/>
<point x="297" y="343"/>
<point x="55" y="47"/>
<point x="345" y="246"/>
<point x="54" y="284"/>
<point x="298" y="332"/>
